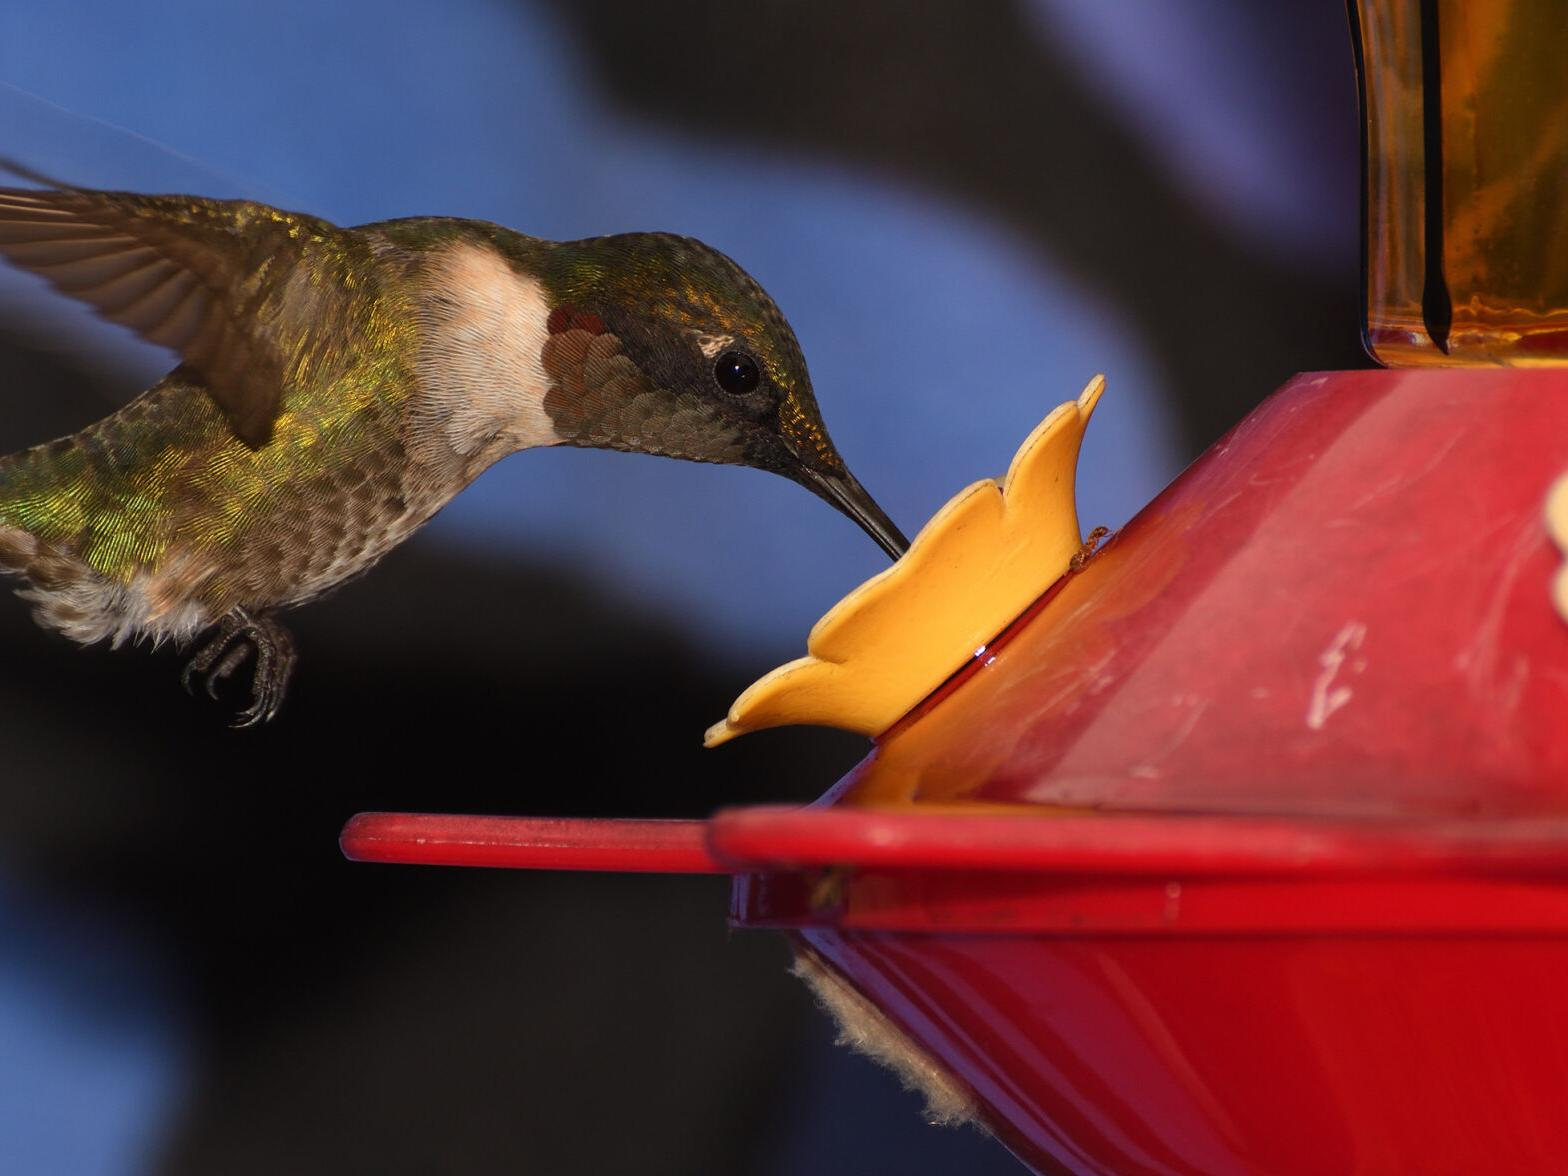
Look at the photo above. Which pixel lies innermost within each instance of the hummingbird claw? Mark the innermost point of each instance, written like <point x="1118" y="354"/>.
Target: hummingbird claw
<point x="232" y="660"/>
<point x="236" y="637"/>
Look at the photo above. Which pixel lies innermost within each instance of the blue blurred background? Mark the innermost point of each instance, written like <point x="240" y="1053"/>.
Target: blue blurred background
<point x="967" y="209"/>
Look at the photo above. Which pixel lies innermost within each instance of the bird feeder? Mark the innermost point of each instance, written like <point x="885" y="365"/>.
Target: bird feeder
<point x="1240" y="844"/>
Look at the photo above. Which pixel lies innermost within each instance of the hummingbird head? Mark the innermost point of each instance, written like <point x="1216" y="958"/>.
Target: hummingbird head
<point x="660" y="344"/>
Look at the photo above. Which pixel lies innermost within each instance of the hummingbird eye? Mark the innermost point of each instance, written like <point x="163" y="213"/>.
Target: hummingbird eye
<point x="736" y="372"/>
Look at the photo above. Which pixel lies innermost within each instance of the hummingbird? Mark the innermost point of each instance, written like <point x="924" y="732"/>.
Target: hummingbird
<point x="338" y="386"/>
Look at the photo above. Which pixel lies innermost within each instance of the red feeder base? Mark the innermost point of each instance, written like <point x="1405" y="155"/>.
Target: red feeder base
<point x="1247" y="852"/>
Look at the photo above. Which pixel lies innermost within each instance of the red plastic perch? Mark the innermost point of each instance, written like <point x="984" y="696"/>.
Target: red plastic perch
<point x="530" y="843"/>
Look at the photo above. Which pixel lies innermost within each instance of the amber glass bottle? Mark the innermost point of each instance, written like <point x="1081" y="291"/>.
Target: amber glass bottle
<point x="1465" y="124"/>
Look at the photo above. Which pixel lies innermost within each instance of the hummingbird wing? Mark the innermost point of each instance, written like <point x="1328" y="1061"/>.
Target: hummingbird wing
<point x="181" y="271"/>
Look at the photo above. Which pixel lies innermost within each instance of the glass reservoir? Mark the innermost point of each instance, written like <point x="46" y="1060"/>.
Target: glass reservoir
<point x="1465" y="139"/>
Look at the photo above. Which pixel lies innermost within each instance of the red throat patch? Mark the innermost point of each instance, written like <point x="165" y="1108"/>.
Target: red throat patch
<point x="570" y="318"/>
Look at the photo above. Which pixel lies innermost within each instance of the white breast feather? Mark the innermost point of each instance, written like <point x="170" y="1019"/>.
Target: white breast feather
<point x="481" y="373"/>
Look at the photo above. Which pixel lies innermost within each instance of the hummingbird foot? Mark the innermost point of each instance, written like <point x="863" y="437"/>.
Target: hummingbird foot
<point x="1086" y="552"/>
<point x="237" y="636"/>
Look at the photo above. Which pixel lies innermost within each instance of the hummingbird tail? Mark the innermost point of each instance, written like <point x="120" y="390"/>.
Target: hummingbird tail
<point x="67" y="595"/>
<point x="17" y="545"/>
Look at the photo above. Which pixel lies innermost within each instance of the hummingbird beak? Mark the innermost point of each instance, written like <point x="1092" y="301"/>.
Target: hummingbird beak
<point x="849" y="496"/>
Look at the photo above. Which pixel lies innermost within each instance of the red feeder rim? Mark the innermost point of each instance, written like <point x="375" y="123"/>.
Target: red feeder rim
<point x="792" y="839"/>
